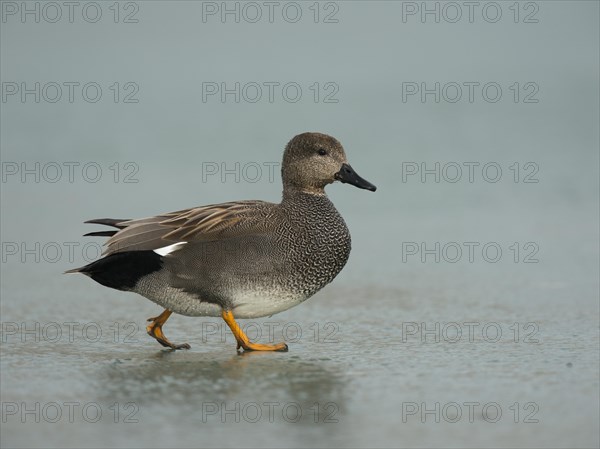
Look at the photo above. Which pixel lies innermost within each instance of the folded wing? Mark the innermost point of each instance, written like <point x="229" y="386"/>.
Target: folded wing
<point x="207" y="223"/>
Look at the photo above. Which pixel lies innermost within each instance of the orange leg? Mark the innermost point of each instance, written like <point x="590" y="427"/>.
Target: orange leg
<point x="155" y="330"/>
<point x="242" y="339"/>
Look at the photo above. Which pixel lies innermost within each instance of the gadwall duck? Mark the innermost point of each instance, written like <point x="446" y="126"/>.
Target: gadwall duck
<point x="244" y="259"/>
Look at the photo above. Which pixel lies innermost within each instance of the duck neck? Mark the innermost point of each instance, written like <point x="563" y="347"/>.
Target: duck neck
<point x="293" y="193"/>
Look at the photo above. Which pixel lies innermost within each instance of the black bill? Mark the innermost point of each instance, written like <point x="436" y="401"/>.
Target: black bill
<point x="348" y="175"/>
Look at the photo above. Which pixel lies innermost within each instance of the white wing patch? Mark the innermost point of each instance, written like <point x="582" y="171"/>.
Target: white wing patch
<point x="169" y="249"/>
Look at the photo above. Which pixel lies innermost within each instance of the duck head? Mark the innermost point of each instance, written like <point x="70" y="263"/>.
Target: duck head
<point x="313" y="160"/>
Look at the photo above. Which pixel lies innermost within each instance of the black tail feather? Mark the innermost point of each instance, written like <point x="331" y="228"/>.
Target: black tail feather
<point x="114" y="222"/>
<point x="100" y="234"/>
<point x="122" y="270"/>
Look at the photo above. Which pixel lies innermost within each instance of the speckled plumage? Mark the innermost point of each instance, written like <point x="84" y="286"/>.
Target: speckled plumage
<point x="259" y="274"/>
<point x="253" y="258"/>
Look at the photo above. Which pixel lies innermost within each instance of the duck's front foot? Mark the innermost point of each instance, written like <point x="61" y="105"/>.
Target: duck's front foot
<point x="155" y="330"/>
<point x="242" y="338"/>
<point x="249" y="346"/>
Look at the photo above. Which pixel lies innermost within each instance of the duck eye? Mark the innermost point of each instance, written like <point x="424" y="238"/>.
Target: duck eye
<point x="322" y="152"/>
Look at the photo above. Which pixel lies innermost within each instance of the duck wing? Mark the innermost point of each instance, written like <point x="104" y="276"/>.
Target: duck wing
<point x="199" y="224"/>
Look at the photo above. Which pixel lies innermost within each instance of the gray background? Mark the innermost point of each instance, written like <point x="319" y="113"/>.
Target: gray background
<point x="371" y="360"/>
